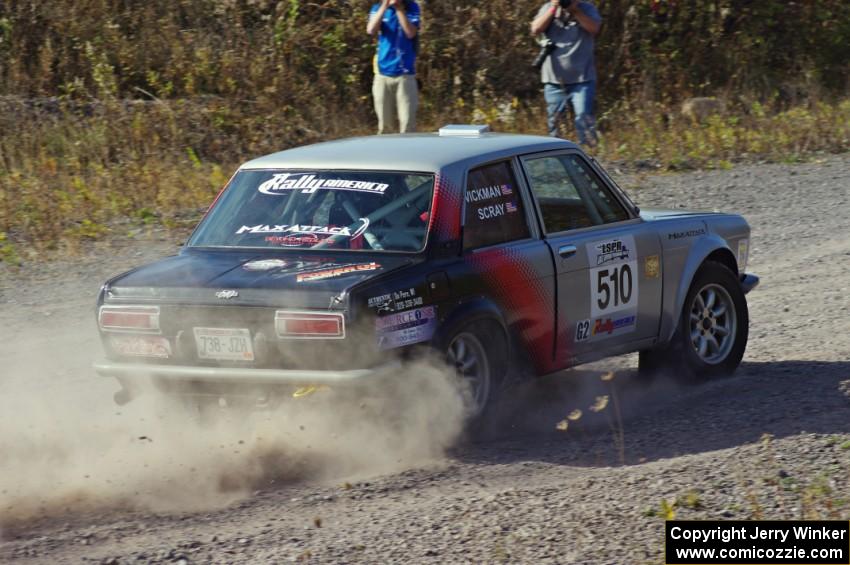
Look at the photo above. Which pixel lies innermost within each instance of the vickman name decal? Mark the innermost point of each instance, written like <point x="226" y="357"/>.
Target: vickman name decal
<point x="488" y="192"/>
<point x="307" y="183"/>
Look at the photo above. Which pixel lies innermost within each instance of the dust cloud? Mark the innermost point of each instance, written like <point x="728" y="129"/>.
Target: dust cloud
<point x="66" y="448"/>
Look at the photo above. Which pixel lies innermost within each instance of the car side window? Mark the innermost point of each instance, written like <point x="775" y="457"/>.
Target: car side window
<point x="570" y="194"/>
<point x="494" y="209"/>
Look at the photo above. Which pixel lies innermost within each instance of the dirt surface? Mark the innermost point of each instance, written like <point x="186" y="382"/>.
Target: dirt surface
<point x="771" y="442"/>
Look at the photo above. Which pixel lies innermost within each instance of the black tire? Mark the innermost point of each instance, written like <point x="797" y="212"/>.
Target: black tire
<point x="484" y="341"/>
<point x="713" y="329"/>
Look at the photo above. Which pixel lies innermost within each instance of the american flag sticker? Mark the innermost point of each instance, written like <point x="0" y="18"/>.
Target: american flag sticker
<point x="506" y="190"/>
<point x="510" y="206"/>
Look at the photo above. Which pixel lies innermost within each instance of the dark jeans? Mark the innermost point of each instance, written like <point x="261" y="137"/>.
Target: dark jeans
<point x="581" y="95"/>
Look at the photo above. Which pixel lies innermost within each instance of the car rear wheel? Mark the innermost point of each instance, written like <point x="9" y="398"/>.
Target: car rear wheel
<point x="477" y="353"/>
<point x="712" y="333"/>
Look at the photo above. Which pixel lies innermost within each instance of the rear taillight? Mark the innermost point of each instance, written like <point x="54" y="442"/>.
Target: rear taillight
<point x="129" y="318"/>
<point x="309" y="325"/>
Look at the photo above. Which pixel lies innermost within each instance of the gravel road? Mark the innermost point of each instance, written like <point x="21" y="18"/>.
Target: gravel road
<point x="771" y="442"/>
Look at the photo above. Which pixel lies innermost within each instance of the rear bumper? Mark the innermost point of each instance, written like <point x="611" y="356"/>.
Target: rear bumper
<point x="749" y="281"/>
<point x="132" y="372"/>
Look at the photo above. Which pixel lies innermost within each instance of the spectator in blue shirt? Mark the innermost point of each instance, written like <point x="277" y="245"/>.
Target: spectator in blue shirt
<point x="394" y="88"/>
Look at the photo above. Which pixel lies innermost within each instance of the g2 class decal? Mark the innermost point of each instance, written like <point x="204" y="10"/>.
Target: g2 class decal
<point x="603" y="328"/>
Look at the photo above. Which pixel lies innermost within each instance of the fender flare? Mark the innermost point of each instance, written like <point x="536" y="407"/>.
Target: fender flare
<point x="709" y="247"/>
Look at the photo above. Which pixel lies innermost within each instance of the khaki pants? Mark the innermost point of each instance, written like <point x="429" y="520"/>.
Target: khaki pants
<point x="395" y="97"/>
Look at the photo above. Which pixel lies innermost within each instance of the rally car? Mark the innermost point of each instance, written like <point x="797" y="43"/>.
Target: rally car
<point x="329" y="264"/>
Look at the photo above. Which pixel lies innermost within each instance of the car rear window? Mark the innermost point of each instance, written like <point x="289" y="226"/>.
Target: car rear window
<point x="356" y="210"/>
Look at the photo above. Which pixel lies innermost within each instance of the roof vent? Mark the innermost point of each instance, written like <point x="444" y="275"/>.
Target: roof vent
<point x="468" y="130"/>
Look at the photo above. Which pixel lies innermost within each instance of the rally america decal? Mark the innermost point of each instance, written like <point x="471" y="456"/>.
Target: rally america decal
<point x="613" y="276"/>
<point x="307" y="183"/>
<point x="406" y="328"/>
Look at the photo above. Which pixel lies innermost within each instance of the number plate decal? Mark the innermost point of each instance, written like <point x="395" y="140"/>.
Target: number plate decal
<point x="224" y="344"/>
<point x="613" y="275"/>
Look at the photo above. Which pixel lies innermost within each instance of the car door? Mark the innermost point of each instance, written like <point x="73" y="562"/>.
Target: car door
<point x="507" y="260"/>
<point x="608" y="261"/>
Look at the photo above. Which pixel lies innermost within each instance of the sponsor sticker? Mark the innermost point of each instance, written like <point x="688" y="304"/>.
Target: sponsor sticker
<point x="396" y="301"/>
<point x="686" y="233"/>
<point x="307" y="183"/>
<point x="295" y="240"/>
<point x="602" y="328"/>
<point x="337" y="271"/>
<point x="652" y="267"/>
<point x="264" y="265"/>
<point x="302" y="229"/>
<point x="610" y="325"/>
<point x="406" y="328"/>
<point x="613" y="279"/>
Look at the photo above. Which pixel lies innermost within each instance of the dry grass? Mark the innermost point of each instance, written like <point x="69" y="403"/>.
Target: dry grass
<point x="78" y="173"/>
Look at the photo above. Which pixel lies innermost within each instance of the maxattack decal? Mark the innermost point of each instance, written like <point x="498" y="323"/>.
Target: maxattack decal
<point x="406" y="328"/>
<point x="685" y="234"/>
<point x="305" y="229"/>
<point x="336" y="272"/>
<point x="614" y="281"/>
<point x="307" y="183"/>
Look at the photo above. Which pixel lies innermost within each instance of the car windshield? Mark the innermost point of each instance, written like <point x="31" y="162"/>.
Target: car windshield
<point x="356" y="210"/>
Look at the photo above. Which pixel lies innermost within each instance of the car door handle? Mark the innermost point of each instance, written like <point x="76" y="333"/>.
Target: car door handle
<point x="567" y="251"/>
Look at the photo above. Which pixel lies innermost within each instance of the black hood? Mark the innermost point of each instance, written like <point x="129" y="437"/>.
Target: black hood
<point x="251" y="277"/>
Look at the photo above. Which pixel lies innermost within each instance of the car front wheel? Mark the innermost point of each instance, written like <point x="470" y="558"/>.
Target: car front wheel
<point x="712" y="333"/>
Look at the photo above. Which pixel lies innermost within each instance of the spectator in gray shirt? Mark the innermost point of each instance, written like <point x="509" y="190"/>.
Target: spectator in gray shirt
<point x="569" y="73"/>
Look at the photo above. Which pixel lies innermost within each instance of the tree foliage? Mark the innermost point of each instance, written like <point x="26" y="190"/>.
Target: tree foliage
<point x="295" y="54"/>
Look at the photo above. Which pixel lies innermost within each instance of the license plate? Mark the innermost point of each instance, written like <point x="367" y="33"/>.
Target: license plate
<point x="140" y="346"/>
<point x="224" y="344"/>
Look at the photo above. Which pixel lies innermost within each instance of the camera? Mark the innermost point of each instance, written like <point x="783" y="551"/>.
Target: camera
<point x="565" y="3"/>
<point x="546" y="49"/>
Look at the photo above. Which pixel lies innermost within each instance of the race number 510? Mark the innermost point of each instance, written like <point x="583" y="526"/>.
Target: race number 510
<point x="613" y="288"/>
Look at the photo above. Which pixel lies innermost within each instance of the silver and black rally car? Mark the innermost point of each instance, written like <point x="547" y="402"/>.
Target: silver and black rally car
<point x="327" y="264"/>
